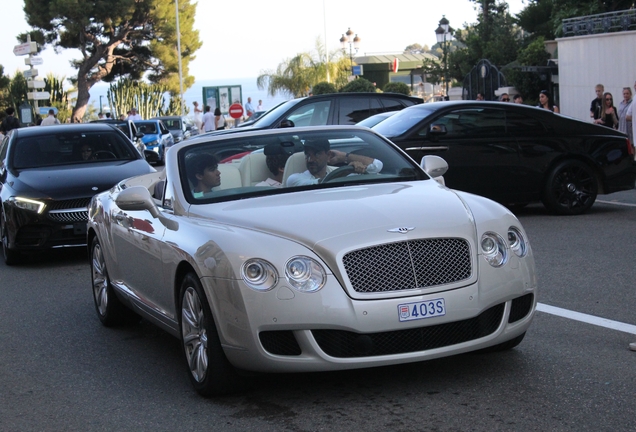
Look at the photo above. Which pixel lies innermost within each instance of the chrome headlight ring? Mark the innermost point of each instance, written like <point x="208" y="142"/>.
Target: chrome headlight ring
<point x="517" y="242"/>
<point x="494" y="249"/>
<point x="258" y="274"/>
<point x="305" y="274"/>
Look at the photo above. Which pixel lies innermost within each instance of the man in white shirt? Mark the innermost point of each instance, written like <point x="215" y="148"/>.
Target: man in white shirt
<point x="317" y="157"/>
<point x="133" y="115"/>
<point x="249" y="108"/>
<point x="209" y="123"/>
<point x="276" y="155"/>
<point x="630" y="115"/>
<point x="50" y="119"/>
<point x="259" y="107"/>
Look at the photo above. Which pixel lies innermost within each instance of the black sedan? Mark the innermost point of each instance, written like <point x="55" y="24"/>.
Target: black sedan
<point x="517" y="154"/>
<point x="48" y="175"/>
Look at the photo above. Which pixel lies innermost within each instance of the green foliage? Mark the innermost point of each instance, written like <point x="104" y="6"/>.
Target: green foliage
<point x="324" y="88"/>
<point x="126" y="94"/>
<point x="17" y="91"/>
<point x="174" y="107"/>
<point x="54" y="86"/>
<point x="296" y="76"/>
<point x="359" y="85"/>
<point x="116" y="38"/>
<point x="529" y="84"/>
<point x="397" y="87"/>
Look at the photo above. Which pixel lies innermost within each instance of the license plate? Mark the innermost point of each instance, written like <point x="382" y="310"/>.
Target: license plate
<point x="421" y="310"/>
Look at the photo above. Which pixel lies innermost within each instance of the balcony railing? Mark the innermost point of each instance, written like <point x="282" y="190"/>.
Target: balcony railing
<point x="602" y="23"/>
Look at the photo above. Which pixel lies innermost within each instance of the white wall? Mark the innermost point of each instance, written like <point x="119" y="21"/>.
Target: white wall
<point x="584" y="61"/>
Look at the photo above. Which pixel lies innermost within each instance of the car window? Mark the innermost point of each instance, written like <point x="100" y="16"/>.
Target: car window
<point x="470" y="122"/>
<point x="403" y="121"/>
<point x="172" y="124"/>
<point x="311" y="114"/>
<point x="391" y="104"/>
<point x="70" y="148"/>
<point x="524" y="125"/>
<point x="202" y="163"/>
<point x="353" y="109"/>
<point x="147" y="127"/>
<point x="376" y="107"/>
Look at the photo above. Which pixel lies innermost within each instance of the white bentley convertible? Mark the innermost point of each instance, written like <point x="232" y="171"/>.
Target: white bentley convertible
<point x="359" y="258"/>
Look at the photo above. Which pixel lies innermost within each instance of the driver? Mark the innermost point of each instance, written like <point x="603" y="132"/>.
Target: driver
<point x="318" y="155"/>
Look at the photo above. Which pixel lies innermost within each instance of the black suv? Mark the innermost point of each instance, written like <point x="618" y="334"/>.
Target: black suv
<point x="330" y="109"/>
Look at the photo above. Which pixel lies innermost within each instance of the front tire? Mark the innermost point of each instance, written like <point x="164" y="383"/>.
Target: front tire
<point x="11" y="257"/>
<point x="210" y="372"/>
<point x="110" y="310"/>
<point x="570" y="188"/>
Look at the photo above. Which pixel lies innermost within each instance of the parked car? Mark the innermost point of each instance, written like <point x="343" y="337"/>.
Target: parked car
<point x="327" y="276"/>
<point x="156" y="137"/>
<point x="48" y="175"/>
<point x="181" y="128"/>
<point x="257" y="115"/>
<point x="129" y="129"/>
<point x="328" y="109"/>
<point x="517" y="154"/>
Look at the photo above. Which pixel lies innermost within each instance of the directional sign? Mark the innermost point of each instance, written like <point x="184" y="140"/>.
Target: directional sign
<point x="25" y="48"/>
<point x="38" y="95"/>
<point x="36" y="84"/>
<point x="30" y="73"/>
<point x="236" y="111"/>
<point x="33" y="61"/>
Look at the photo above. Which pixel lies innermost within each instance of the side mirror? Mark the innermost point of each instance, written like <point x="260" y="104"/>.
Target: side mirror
<point x="137" y="198"/>
<point x="434" y="166"/>
<point x="139" y="135"/>
<point x="151" y="156"/>
<point x="286" y="123"/>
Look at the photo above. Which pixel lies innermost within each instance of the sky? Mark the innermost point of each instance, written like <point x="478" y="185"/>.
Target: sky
<point x="253" y="36"/>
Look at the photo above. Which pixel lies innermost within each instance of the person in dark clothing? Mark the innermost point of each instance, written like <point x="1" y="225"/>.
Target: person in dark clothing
<point x="596" y="107"/>
<point x="10" y="121"/>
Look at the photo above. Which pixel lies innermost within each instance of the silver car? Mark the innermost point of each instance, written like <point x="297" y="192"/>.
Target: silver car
<point x="371" y="264"/>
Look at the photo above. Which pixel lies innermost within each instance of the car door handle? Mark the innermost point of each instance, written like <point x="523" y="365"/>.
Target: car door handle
<point x="427" y="148"/>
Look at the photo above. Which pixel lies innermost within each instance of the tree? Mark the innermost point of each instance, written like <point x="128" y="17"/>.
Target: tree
<point x="115" y="38"/>
<point x="324" y="88"/>
<point x="359" y="85"/>
<point x="397" y="87"/>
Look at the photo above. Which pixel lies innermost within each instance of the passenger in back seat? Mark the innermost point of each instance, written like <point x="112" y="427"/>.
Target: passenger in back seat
<point x="275" y="157"/>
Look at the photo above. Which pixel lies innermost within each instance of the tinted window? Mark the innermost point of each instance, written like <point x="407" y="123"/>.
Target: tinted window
<point x="403" y="120"/>
<point x="391" y="104"/>
<point x="68" y="148"/>
<point x="522" y="125"/>
<point x="172" y="124"/>
<point x="311" y="114"/>
<point x="376" y="107"/>
<point x="147" y="127"/>
<point x="471" y="122"/>
<point x="353" y="110"/>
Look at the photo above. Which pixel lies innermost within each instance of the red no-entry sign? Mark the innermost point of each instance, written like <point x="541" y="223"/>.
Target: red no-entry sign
<point x="236" y="111"/>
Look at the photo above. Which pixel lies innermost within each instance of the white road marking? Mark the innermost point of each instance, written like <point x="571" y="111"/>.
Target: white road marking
<point x="589" y="319"/>
<point x="616" y="203"/>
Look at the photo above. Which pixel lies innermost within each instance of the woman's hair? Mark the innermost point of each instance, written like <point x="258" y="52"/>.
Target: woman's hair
<point x="603" y="105"/>
<point x="217" y="111"/>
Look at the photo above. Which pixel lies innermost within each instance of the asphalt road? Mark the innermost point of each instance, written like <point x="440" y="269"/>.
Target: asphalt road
<point x="61" y="370"/>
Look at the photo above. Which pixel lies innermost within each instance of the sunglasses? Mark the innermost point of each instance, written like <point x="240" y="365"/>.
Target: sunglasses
<point x="506" y="100"/>
<point x="608" y="99"/>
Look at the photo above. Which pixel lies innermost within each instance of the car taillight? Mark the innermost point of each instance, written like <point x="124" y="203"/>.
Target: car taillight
<point x="630" y="148"/>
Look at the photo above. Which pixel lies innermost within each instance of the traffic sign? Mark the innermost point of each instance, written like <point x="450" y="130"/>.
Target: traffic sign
<point x="33" y="61"/>
<point x="25" y="48"/>
<point x="36" y="84"/>
<point x="38" y="95"/>
<point x="30" y="73"/>
<point x="236" y="110"/>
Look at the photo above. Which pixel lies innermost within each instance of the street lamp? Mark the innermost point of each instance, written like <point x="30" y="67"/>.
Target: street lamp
<point x="354" y="43"/>
<point x="444" y="36"/>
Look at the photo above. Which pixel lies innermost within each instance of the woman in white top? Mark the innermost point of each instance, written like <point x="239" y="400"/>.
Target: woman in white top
<point x="197" y="115"/>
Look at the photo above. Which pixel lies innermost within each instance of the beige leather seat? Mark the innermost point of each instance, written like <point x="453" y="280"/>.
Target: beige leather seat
<point x="295" y="164"/>
<point x="230" y="177"/>
<point x="253" y="169"/>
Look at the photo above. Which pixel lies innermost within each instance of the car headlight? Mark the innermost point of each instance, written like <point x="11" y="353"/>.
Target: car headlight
<point x="152" y="143"/>
<point x="27" y="204"/>
<point x="517" y="242"/>
<point x="494" y="249"/>
<point x="305" y="274"/>
<point x="178" y="139"/>
<point x="258" y="274"/>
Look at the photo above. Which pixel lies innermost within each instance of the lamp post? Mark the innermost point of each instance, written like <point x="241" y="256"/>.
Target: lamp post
<point x="354" y="44"/>
<point x="176" y="6"/>
<point x="444" y="36"/>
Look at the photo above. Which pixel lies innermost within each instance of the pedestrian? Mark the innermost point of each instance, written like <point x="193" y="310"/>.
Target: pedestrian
<point x="609" y="117"/>
<point x="122" y="117"/>
<point x="480" y="97"/>
<point x="545" y="101"/>
<point x="10" y="121"/>
<point x="219" y="119"/>
<point x="624" y="125"/>
<point x="108" y="115"/>
<point x="259" y="107"/>
<point x="504" y="97"/>
<point x="50" y="119"/>
<point x="100" y="115"/>
<point x="596" y="107"/>
<point x="249" y="108"/>
<point x="134" y="116"/>
<point x="518" y="99"/>
<point x="630" y="116"/>
<point x="208" y="120"/>
<point x="197" y="115"/>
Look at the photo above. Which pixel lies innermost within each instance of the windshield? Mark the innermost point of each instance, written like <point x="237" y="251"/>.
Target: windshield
<point x="403" y="120"/>
<point x="172" y="124"/>
<point x="70" y="148"/>
<point x="292" y="161"/>
<point x="273" y="115"/>
<point x="147" y="127"/>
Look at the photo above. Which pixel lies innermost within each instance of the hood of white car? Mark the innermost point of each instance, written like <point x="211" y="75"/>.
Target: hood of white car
<point x="346" y="216"/>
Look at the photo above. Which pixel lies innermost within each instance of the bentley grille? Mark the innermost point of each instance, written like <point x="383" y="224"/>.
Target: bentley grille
<point x="408" y="264"/>
<point x="69" y="211"/>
